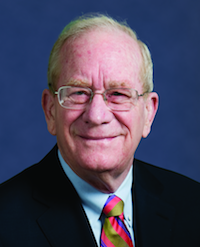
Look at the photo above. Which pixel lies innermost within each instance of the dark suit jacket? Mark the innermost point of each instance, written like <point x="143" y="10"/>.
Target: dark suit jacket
<point x="40" y="208"/>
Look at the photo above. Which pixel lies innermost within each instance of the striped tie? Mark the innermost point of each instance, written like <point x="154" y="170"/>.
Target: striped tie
<point x="114" y="232"/>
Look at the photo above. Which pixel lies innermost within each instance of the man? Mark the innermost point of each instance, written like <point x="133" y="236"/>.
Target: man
<point x="99" y="105"/>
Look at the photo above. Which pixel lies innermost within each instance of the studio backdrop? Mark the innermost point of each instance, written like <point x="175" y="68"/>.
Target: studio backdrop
<point x="171" y="31"/>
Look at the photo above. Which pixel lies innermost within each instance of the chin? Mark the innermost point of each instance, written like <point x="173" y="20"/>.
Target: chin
<point x="99" y="162"/>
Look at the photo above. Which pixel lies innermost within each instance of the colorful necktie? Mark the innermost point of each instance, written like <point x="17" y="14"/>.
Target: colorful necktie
<point x="114" y="232"/>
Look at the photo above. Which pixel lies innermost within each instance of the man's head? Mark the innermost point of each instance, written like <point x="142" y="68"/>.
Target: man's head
<point x="97" y="141"/>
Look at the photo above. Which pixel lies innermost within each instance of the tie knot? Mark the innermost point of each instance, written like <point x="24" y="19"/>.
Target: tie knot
<point x="113" y="206"/>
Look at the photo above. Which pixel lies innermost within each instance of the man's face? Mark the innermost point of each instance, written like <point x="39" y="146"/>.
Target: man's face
<point x="98" y="140"/>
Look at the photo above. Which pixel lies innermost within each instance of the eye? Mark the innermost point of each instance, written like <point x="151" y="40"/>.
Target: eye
<point x="79" y="91"/>
<point x="118" y="95"/>
<point x="79" y="95"/>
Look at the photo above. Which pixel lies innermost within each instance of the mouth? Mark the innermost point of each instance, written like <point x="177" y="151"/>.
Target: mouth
<point x="94" y="142"/>
<point x="97" y="138"/>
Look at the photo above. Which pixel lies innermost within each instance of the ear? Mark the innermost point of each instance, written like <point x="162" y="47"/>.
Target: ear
<point x="151" y="106"/>
<point x="48" y="105"/>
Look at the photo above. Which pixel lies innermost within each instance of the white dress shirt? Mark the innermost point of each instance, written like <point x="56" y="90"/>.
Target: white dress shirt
<point x="93" y="200"/>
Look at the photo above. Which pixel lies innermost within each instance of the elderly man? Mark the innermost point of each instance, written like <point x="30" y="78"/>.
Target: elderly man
<point x="90" y="190"/>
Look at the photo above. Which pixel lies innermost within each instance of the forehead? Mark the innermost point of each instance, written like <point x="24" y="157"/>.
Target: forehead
<point x="109" y="56"/>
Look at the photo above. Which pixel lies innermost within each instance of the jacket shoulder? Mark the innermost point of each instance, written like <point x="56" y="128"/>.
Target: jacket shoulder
<point x="21" y="184"/>
<point x="174" y="185"/>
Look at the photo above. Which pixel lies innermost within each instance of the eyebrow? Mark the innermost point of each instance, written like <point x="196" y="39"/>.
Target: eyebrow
<point x="114" y="84"/>
<point x="74" y="82"/>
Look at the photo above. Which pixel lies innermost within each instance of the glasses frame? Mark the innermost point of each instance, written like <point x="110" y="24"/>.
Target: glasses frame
<point x="92" y="95"/>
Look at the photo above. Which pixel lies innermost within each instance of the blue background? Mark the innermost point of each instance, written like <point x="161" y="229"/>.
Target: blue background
<point x="29" y="29"/>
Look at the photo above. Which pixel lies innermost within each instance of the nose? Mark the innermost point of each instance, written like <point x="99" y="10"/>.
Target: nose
<point x="97" y="112"/>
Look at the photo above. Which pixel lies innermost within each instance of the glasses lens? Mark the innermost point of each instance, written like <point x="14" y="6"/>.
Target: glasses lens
<point x="120" y="99"/>
<point x="74" y="97"/>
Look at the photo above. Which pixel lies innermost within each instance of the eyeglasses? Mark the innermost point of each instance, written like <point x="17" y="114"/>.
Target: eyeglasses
<point x="77" y="98"/>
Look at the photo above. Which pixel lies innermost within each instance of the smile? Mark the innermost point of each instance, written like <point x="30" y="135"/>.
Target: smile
<point x="98" y="138"/>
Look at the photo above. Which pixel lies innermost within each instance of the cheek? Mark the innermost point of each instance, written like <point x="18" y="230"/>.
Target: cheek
<point x="132" y="122"/>
<point x="65" y="120"/>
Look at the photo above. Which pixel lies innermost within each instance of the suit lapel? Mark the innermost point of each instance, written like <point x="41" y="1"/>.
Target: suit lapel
<point x="64" y="222"/>
<point x="63" y="228"/>
<point x="153" y="217"/>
